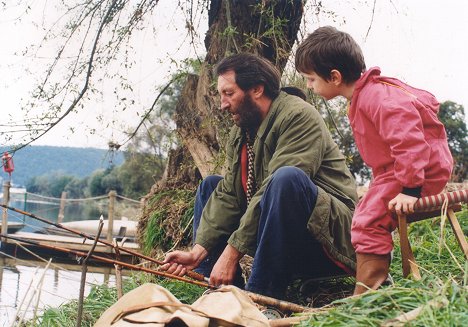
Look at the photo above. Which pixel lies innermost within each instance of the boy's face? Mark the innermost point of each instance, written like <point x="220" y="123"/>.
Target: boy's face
<point x="320" y="86"/>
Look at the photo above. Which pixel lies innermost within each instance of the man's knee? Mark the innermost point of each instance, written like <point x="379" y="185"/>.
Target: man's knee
<point x="209" y="183"/>
<point x="289" y="178"/>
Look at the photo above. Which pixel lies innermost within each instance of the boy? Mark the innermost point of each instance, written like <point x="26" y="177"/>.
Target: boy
<point x="398" y="135"/>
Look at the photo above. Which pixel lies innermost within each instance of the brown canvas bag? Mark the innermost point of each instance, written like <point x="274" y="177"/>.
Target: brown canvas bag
<point x="151" y="305"/>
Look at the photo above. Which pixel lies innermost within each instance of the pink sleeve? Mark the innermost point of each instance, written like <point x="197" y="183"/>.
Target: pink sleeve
<point x="399" y="124"/>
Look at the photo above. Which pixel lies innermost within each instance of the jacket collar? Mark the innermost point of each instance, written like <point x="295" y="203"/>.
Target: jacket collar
<point x="271" y="116"/>
<point x="369" y="74"/>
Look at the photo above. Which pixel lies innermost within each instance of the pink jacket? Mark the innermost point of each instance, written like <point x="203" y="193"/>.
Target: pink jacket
<point x="396" y="128"/>
<point x="399" y="136"/>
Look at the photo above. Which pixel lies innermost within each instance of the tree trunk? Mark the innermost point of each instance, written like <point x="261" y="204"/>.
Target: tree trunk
<point x="267" y="28"/>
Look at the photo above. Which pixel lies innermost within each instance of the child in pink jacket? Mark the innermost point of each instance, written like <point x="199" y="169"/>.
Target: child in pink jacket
<point x="398" y="136"/>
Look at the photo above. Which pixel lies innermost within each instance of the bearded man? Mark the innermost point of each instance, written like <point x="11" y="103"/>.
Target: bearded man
<point x="287" y="197"/>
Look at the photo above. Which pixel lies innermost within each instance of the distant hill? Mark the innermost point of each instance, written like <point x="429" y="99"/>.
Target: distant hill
<point x="39" y="160"/>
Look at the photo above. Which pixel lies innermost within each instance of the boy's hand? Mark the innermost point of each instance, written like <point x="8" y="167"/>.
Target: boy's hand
<point x="402" y="203"/>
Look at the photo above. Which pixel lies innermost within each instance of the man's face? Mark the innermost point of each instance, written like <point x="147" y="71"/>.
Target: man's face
<point x="243" y="109"/>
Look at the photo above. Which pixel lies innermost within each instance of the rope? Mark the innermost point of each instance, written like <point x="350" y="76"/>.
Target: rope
<point x="58" y="199"/>
<point x="127" y="199"/>
<point x="101" y="197"/>
<point x="83" y="199"/>
<point x="443" y="219"/>
<point x="43" y="196"/>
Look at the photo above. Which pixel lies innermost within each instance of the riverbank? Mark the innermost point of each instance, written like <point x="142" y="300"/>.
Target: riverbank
<point x="439" y="298"/>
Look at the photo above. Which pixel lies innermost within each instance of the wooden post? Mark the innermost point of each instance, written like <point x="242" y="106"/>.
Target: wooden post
<point x="6" y="200"/>
<point x="2" y="265"/>
<point x="61" y="213"/>
<point x="110" y="216"/>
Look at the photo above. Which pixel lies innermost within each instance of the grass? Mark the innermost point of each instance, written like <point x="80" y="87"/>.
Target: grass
<point x="441" y="294"/>
<point x="102" y="297"/>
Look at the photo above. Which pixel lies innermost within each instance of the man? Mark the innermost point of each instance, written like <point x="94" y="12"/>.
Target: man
<point x="287" y="198"/>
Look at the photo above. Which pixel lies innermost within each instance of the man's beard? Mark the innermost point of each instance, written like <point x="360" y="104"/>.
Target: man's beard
<point x="250" y="116"/>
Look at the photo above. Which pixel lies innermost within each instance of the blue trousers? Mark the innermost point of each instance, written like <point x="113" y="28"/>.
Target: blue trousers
<point x="285" y="248"/>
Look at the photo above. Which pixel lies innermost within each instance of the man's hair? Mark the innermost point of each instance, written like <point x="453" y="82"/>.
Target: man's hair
<point x="252" y="70"/>
<point x="327" y="49"/>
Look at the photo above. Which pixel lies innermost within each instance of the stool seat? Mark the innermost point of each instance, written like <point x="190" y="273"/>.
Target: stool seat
<point x="428" y="208"/>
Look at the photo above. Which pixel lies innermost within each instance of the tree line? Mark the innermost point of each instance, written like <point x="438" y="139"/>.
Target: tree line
<point x="145" y="160"/>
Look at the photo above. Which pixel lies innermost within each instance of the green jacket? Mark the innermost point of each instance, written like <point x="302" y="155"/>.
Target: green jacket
<point x="292" y="134"/>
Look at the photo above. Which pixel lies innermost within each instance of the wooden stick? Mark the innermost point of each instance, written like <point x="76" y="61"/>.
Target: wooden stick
<point x="118" y="271"/>
<point x="84" y="270"/>
<point x="272" y="302"/>
<point x="107" y="260"/>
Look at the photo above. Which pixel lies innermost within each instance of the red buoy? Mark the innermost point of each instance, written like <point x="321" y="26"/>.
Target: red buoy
<point x="7" y="162"/>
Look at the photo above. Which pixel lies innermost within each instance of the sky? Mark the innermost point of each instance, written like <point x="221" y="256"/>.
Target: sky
<point x="424" y="43"/>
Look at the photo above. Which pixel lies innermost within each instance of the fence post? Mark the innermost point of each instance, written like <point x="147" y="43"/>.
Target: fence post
<point x="6" y="200"/>
<point x="61" y="213"/>
<point x="110" y="216"/>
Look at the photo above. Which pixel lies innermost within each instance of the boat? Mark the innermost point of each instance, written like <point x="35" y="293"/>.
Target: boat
<point x="121" y="228"/>
<point x="13" y="227"/>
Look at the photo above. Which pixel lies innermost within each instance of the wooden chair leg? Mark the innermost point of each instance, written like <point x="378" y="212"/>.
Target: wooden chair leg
<point x="458" y="231"/>
<point x="407" y="258"/>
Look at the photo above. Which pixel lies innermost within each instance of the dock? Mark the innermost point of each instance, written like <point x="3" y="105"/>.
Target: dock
<point x="17" y="247"/>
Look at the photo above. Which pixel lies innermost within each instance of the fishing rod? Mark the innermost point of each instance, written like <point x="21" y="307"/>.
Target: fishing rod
<point x="257" y="298"/>
<point x="190" y="273"/>
<point x="107" y="260"/>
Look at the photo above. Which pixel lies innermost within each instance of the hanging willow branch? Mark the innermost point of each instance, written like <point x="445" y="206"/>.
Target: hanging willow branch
<point x="87" y="79"/>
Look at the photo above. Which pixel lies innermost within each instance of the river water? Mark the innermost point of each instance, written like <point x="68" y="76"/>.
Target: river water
<point x="61" y="283"/>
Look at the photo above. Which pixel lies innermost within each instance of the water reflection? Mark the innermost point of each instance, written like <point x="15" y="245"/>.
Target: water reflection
<point x="61" y="284"/>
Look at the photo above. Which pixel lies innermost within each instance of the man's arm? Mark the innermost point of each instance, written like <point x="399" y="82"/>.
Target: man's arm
<point x="223" y="210"/>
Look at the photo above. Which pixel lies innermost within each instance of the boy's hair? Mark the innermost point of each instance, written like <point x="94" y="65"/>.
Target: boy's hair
<point x="327" y="49"/>
<point x="252" y="70"/>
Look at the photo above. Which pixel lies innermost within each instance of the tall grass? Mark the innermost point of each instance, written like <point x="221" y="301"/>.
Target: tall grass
<point x="164" y="223"/>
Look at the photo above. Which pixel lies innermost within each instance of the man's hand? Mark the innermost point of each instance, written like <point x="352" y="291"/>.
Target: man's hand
<point x="402" y="203"/>
<point x="178" y="262"/>
<point x="224" y="270"/>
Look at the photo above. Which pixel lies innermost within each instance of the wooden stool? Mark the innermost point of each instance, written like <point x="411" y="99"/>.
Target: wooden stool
<point x="426" y="208"/>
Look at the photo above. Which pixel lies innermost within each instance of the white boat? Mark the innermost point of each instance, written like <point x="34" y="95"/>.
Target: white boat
<point x="121" y="228"/>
